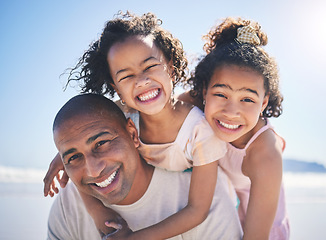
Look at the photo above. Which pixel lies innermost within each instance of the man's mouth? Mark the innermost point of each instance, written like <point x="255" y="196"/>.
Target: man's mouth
<point x="149" y="95"/>
<point x="229" y="126"/>
<point x="107" y="181"/>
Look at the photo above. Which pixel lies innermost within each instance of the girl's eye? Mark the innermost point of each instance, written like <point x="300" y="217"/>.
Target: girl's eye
<point x="123" y="78"/>
<point x="220" y="95"/>
<point x="151" y="66"/>
<point x="247" y="100"/>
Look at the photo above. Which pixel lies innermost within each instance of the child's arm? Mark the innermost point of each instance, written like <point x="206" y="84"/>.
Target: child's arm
<point x="193" y="100"/>
<point x="202" y="188"/>
<point x="106" y="220"/>
<point x="265" y="172"/>
<point x="49" y="184"/>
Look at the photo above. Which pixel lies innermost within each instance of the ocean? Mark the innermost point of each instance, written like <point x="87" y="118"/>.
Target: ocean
<point x="24" y="210"/>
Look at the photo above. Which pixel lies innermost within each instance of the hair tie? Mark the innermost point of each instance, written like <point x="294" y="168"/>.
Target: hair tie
<point x="247" y="34"/>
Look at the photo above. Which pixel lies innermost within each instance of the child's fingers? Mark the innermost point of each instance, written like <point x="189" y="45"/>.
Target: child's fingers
<point x="55" y="166"/>
<point x="49" y="177"/>
<point x="64" y="179"/>
<point x="54" y="187"/>
<point x="50" y="189"/>
<point x="51" y="193"/>
<point x="113" y="225"/>
<point x="47" y="183"/>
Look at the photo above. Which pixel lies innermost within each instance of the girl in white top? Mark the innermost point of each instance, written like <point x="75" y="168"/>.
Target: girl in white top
<point x="142" y="62"/>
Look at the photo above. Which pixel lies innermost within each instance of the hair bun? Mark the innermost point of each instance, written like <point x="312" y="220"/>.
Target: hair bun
<point x="247" y="34"/>
<point x="231" y="29"/>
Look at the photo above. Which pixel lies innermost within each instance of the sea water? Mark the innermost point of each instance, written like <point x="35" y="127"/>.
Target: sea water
<point x="24" y="210"/>
<point x="306" y="204"/>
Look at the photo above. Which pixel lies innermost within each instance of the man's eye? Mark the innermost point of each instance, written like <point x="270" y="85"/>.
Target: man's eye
<point x="100" y="143"/>
<point x="72" y="158"/>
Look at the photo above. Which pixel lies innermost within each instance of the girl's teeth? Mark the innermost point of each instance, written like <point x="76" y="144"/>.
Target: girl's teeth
<point x="108" y="181"/>
<point x="229" y="126"/>
<point x="149" y="95"/>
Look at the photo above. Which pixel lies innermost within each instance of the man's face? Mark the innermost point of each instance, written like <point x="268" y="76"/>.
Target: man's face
<point x="99" y="155"/>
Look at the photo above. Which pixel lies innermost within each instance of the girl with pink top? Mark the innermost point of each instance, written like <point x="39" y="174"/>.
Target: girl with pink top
<point x="238" y="84"/>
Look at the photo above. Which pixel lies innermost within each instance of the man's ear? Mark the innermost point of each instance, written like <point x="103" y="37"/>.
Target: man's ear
<point x="131" y="128"/>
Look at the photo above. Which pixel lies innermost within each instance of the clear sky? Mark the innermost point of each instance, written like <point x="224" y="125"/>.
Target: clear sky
<point x="40" y="39"/>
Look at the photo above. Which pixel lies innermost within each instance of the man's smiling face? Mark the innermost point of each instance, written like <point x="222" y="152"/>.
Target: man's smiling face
<point x="100" y="155"/>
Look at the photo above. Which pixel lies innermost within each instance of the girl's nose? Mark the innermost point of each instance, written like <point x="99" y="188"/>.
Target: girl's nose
<point x="231" y="110"/>
<point x="142" y="81"/>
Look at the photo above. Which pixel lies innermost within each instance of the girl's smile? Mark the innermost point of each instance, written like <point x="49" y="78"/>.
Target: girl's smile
<point x="227" y="127"/>
<point x="149" y="95"/>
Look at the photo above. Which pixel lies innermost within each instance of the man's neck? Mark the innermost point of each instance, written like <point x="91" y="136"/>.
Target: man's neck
<point x="143" y="177"/>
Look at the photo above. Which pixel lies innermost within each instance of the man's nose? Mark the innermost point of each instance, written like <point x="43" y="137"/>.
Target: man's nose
<point x="94" y="166"/>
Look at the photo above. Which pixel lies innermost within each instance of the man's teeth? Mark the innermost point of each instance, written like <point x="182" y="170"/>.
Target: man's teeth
<point x="148" y="95"/>
<point x="108" y="181"/>
<point x="229" y="126"/>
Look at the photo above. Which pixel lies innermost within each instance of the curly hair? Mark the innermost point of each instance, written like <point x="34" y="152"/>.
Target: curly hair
<point x="222" y="48"/>
<point x="92" y="70"/>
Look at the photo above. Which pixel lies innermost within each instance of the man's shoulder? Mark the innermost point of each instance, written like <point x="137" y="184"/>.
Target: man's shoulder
<point x="162" y="175"/>
<point x="67" y="207"/>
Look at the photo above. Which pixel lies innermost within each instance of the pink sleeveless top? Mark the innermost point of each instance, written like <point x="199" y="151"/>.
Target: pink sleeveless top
<point x="231" y="164"/>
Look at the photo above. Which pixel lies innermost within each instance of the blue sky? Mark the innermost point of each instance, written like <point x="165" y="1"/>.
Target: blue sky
<point x="40" y="39"/>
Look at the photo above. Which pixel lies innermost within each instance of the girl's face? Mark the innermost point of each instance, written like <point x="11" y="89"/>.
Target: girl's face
<point x="141" y="75"/>
<point x="235" y="97"/>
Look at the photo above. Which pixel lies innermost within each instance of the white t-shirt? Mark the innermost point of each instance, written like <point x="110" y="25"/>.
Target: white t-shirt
<point x="166" y="195"/>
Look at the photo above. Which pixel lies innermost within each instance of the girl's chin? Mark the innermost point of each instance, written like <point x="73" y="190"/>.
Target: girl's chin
<point x="227" y="135"/>
<point x="227" y="138"/>
<point x="150" y="110"/>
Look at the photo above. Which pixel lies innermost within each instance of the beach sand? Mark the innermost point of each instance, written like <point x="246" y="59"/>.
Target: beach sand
<point x="24" y="210"/>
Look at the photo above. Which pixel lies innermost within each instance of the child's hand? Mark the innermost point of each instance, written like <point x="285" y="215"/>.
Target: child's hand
<point x="49" y="184"/>
<point x="108" y="228"/>
<point x="121" y="230"/>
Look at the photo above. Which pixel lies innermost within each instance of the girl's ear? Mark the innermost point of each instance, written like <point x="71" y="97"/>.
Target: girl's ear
<point x="202" y="102"/>
<point x="116" y="89"/>
<point x="131" y="128"/>
<point x="204" y="94"/>
<point x="265" y="103"/>
<point x="170" y="70"/>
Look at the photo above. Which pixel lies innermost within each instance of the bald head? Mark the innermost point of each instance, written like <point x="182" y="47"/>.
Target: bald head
<point x="89" y="105"/>
<point x="96" y="143"/>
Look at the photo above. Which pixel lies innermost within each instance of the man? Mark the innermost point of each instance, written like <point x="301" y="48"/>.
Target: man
<point x="99" y="149"/>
